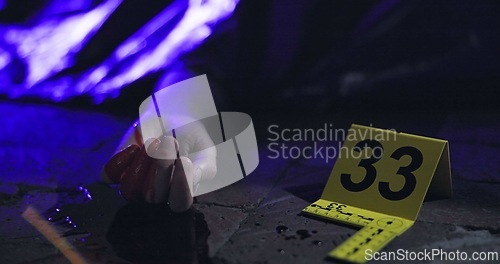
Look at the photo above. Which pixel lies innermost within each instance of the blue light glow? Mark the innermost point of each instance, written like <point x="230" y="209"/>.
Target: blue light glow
<point x="48" y="47"/>
<point x="31" y="55"/>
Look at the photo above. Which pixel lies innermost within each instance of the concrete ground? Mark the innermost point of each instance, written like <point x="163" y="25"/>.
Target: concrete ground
<point x="50" y="162"/>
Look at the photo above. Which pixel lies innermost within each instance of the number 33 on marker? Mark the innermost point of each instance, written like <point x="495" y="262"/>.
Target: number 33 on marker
<point x="379" y="183"/>
<point x="389" y="174"/>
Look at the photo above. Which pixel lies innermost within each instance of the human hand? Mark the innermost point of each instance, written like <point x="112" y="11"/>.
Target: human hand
<point x="159" y="170"/>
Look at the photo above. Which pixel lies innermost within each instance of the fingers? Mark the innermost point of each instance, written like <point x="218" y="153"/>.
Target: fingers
<point x="154" y="174"/>
<point x="157" y="182"/>
<point x="132" y="181"/>
<point x="205" y="164"/>
<point x="166" y="152"/>
<point x="168" y="178"/>
<point x="197" y="143"/>
<point x="180" y="197"/>
<point x="115" y="167"/>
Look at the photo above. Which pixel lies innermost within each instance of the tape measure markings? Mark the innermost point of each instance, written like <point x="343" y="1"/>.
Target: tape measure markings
<point x="377" y="229"/>
<point x="371" y="237"/>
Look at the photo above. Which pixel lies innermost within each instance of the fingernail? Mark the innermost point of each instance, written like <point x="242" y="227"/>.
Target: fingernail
<point x="113" y="168"/>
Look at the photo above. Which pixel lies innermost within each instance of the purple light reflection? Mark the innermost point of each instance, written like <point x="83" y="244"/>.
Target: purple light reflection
<point x="50" y="46"/>
<point x="190" y="31"/>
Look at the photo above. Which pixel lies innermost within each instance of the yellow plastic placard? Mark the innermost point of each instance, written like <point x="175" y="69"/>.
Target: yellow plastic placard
<point x="379" y="182"/>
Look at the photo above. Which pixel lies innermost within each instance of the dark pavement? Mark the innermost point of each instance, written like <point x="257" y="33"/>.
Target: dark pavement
<point x="51" y="158"/>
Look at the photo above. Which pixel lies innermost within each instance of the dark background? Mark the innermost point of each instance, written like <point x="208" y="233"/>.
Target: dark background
<point x="320" y="55"/>
<point x="422" y="67"/>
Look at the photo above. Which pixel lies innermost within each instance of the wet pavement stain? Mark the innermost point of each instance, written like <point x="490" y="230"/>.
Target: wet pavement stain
<point x="148" y="233"/>
<point x="102" y="226"/>
<point x="317" y="242"/>
<point x="281" y="228"/>
<point x="303" y="234"/>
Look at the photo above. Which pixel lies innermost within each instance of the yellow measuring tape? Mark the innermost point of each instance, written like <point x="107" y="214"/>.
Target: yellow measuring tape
<point x="377" y="229"/>
<point x="379" y="184"/>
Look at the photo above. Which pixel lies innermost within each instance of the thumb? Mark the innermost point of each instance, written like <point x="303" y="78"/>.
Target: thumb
<point x="181" y="195"/>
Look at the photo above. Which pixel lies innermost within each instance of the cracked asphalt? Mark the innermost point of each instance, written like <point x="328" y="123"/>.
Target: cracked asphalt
<point x="51" y="158"/>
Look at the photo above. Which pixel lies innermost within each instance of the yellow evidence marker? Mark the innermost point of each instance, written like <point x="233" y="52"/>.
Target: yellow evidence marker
<point x="379" y="183"/>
